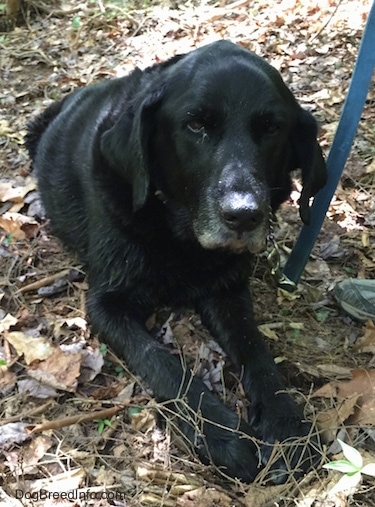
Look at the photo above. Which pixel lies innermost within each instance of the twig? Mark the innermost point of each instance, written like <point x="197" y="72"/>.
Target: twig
<point x="48" y="280"/>
<point x="30" y="413"/>
<point x="45" y="7"/>
<point x="76" y="419"/>
<point x="327" y="22"/>
<point x="236" y="5"/>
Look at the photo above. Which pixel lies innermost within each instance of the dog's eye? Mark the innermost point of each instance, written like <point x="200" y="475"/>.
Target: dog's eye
<point x="196" y="126"/>
<point x="271" y="127"/>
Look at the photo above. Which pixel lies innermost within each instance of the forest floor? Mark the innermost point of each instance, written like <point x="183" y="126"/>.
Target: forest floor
<point x="72" y="416"/>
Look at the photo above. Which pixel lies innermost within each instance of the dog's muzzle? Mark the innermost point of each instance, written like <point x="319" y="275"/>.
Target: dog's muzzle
<point x="240" y="212"/>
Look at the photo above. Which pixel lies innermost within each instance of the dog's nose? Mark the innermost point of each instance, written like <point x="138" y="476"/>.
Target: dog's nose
<point x="241" y="213"/>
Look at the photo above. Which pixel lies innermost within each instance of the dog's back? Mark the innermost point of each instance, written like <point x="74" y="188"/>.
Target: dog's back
<point x="62" y="172"/>
<point x="37" y="127"/>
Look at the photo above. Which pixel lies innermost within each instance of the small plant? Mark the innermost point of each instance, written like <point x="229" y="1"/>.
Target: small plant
<point x="8" y="239"/>
<point x="102" y="424"/>
<point x="322" y="315"/>
<point x="352" y="467"/>
<point x="119" y="371"/>
<point x="134" y="411"/>
<point x="103" y="349"/>
<point x="76" y="23"/>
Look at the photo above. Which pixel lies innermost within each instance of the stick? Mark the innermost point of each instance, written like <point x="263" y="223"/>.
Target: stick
<point x="75" y="419"/>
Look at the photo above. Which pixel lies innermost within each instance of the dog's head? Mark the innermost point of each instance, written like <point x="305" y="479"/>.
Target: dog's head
<point x="216" y="134"/>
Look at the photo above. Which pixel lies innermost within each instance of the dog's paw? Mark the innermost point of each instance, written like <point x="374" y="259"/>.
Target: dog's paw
<point x="234" y="451"/>
<point x="224" y="440"/>
<point x="292" y="456"/>
<point x="290" y="445"/>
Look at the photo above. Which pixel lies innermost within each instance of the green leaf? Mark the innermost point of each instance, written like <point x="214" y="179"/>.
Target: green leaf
<point x="369" y="469"/>
<point x="351" y="454"/>
<point x="346" y="483"/>
<point x="8" y="239"/>
<point x="321" y="315"/>
<point x="76" y="22"/>
<point x="119" y="371"/>
<point x="349" y="270"/>
<point x="102" y="423"/>
<point x="343" y="466"/>
<point x="134" y="410"/>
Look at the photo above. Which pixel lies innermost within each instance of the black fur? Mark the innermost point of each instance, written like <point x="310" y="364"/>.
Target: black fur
<point x="162" y="182"/>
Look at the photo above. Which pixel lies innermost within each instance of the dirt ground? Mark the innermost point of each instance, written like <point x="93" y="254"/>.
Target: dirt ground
<point x="73" y="418"/>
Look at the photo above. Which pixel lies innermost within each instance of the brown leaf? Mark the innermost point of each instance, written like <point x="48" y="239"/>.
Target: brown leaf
<point x="366" y="343"/>
<point x="328" y="421"/>
<point x="361" y="385"/>
<point x="60" y="370"/>
<point x="7" y="379"/>
<point x="32" y="453"/>
<point x="15" y="194"/>
<point x="31" y="348"/>
<point x="7" y="322"/>
<point x="19" y="226"/>
<point x="31" y="387"/>
<point x="143" y="421"/>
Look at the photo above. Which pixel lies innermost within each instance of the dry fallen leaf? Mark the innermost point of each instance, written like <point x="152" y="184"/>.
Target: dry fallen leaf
<point x="31" y="387"/>
<point x="31" y="348"/>
<point x="92" y="363"/>
<point x="7" y="322"/>
<point x="267" y="330"/>
<point x="361" y="385"/>
<point x="329" y="420"/>
<point x="19" y="226"/>
<point x="8" y="192"/>
<point x="143" y="421"/>
<point x="7" y="380"/>
<point x="32" y="453"/>
<point x="13" y="433"/>
<point x="365" y="343"/>
<point x="59" y="370"/>
<point x="4" y="128"/>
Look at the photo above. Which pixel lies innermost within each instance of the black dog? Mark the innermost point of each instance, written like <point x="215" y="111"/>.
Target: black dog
<point x="163" y="181"/>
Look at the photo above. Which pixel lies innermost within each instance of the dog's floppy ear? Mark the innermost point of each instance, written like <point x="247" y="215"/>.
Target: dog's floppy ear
<point x="307" y="156"/>
<point x="125" y="146"/>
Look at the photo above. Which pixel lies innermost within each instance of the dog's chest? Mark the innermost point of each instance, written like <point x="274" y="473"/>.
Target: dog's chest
<point x="180" y="272"/>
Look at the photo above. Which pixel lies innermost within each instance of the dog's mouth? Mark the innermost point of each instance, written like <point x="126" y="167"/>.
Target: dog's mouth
<point x="254" y="241"/>
<point x="215" y="235"/>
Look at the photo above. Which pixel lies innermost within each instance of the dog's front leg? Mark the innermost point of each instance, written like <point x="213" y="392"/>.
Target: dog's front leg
<point x="228" y="315"/>
<point x="217" y="433"/>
